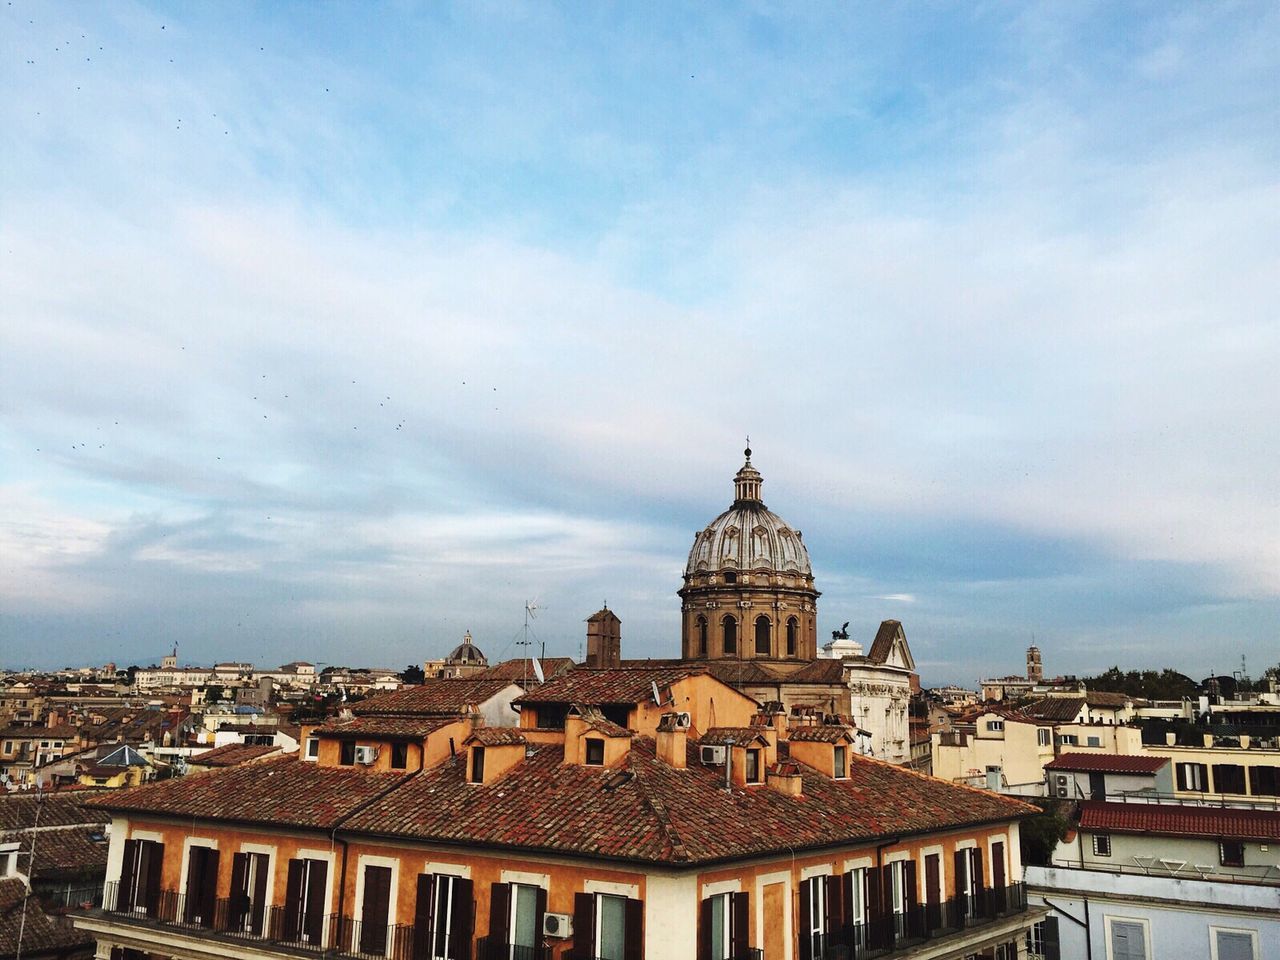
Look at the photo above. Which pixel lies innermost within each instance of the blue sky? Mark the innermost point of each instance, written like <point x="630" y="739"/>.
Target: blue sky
<point x="332" y="331"/>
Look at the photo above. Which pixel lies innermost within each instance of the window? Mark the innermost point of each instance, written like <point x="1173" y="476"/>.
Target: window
<point x="730" y="577"/>
<point x="729" y="629"/>
<point x="612" y="923"/>
<point x="139" y="888"/>
<point x="1231" y="853"/>
<point x="995" y="726"/>
<point x="443" y="916"/>
<point x="200" y="895"/>
<point x="304" y="901"/>
<point x="8" y="746"/>
<point x="793" y="628"/>
<point x="1233" y="944"/>
<point x="1043" y="737"/>
<point x="516" y="912"/>
<point x="753" y="766"/>
<point x="477" y="764"/>
<point x="551" y="716"/>
<point x="375" y="910"/>
<point x="1095" y="742"/>
<point x="595" y="752"/>
<point x="813" y="914"/>
<point x="611" y="927"/>
<point x="1069" y="740"/>
<point x="313" y="748"/>
<point x="702" y="636"/>
<point x="1265" y="781"/>
<point x="1228" y="778"/>
<point x="249" y="892"/>
<point x="1102" y="844"/>
<point x="348" y="753"/>
<point x="764" y="637"/>
<point x="902" y="893"/>
<point x="840" y="765"/>
<point x="399" y="756"/>
<point x="1193" y="776"/>
<point x="1128" y="939"/>
<point x="1042" y="939"/>
<point x="717" y="932"/>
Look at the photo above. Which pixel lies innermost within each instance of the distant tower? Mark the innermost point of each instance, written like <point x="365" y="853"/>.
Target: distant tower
<point x="1035" y="672"/>
<point x="604" y="639"/>
<point x="171" y="662"/>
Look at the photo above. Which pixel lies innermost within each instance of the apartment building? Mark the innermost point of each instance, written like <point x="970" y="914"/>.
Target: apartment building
<point x="667" y="818"/>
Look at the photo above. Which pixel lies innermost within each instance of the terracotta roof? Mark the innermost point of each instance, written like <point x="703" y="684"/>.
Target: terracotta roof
<point x="18" y="811"/>
<point x="620" y="685"/>
<point x="1229" y="823"/>
<point x="40" y="932"/>
<point x="882" y="646"/>
<point x="62" y="852"/>
<point x="738" y="672"/>
<point x="1107" y="763"/>
<point x="399" y="728"/>
<point x="521" y="670"/>
<point x="284" y="791"/>
<point x="645" y="810"/>
<point x="819" y="671"/>
<point x="731" y="736"/>
<point x="823" y="734"/>
<point x="1100" y="698"/>
<point x="1061" y="709"/>
<point x="496" y="736"/>
<point x="433" y="698"/>
<point x="232" y="754"/>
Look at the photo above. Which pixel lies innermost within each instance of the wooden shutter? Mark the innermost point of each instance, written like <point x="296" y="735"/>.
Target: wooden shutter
<point x="979" y="883"/>
<point x="202" y="885"/>
<point x="909" y="881"/>
<point x="499" y="913"/>
<point x="464" y="914"/>
<point x="875" y="904"/>
<point x="314" y="908"/>
<point x="932" y="888"/>
<point x="584" y="926"/>
<point x="957" y="877"/>
<point x="704" y="931"/>
<point x="258" y="908"/>
<point x="739" y="926"/>
<point x="239" y="904"/>
<point x="374" y="910"/>
<point x="634" y="930"/>
<point x="423" y="907"/>
<point x="128" y="873"/>
<point x="833" y="890"/>
<point x="999" y="896"/>
<point x="155" y="862"/>
<point x="1052" y="950"/>
<point x="191" y="898"/>
<point x="539" y="913"/>
<point x="806" y="911"/>
<point x="293" y="900"/>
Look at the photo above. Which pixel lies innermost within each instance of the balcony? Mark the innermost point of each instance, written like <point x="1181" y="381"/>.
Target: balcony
<point x="922" y="924"/>
<point x="235" y="920"/>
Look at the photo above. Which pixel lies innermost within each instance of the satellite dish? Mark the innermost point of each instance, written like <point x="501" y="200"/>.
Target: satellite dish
<point x="657" y="697"/>
<point x="537" y="671"/>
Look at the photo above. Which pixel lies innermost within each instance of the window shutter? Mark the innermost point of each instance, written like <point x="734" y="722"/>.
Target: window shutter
<point x="499" y="912"/>
<point x="932" y="888"/>
<point x="539" y="911"/>
<point x="1052" y="951"/>
<point x="259" y="907"/>
<point x="960" y="864"/>
<point x="314" y="908"/>
<point x="997" y="864"/>
<point x="833" y="890"/>
<point x="464" y="915"/>
<point x="374" y="917"/>
<point x="191" y="896"/>
<point x="422" y="908"/>
<point x="740" y="926"/>
<point x="978" y="883"/>
<point x="704" y="931"/>
<point x="634" y="949"/>
<point x="806" y="908"/>
<point x="239" y="904"/>
<point x="293" y="900"/>
<point x="875" y="906"/>
<point x="209" y="888"/>
<point x="846" y="907"/>
<point x="155" y="861"/>
<point x="584" y="926"/>
<point x="128" y="873"/>
<point x="909" y="880"/>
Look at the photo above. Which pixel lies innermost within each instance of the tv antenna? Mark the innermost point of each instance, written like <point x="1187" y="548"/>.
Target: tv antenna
<point x="531" y="609"/>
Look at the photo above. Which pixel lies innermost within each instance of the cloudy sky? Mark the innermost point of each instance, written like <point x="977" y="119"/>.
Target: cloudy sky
<point x="333" y="331"/>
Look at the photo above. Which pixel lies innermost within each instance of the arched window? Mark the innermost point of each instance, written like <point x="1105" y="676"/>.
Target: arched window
<point x="764" y="637"/>
<point x="730" y="628"/>
<point x="793" y="628"/>
<point x="702" y="636"/>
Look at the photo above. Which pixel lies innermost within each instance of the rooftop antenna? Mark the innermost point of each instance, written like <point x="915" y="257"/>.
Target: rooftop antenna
<point x="530" y="612"/>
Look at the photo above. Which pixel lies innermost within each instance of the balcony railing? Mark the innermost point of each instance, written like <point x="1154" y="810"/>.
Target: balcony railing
<point x="928" y="921"/>
<point x="236" y="917"/>
<point x="490" y="949"/>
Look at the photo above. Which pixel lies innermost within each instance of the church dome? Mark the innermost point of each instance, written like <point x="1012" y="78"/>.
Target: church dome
<point x="748" y="536"/>
<point x="466" y="652"/>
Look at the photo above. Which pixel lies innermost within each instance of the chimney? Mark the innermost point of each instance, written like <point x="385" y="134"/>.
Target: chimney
<point x="673" y="742"/>
<point x="784" y="777"/>
<point x="604" y="639"/>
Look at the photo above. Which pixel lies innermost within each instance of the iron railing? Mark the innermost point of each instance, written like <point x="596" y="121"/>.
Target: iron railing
<point x="489" y="949"/>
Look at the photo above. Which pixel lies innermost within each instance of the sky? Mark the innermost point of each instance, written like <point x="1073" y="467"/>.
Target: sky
<point x="333" y="331"/>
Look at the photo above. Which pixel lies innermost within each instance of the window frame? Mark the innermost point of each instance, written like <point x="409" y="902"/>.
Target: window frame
<point x="1222" y="853"/>
<point x="313" y="749"/>
<point x="752" y="766"/>
<point x="475" y="765"/>
<point x="1102" y="844"/>
<point x="593" y="745"/>
<point x="1143" y="922"/>
<point x="400" y="756"/>
<point x="1044" y="737"/>
<point x="596" y="939"/>
<point x="763" y="630"/>
<point x="1213" y="939"/>
<point x="729" y="634"/>
<point x="347" y="753"/>
<point x="840" y="762"/>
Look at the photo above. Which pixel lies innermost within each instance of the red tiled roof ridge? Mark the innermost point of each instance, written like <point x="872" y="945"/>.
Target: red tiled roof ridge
<point x="1107" y="762"/>
<point x="1180" y="820"/>
<point x="674" y="841"/>
<point x="1027" y="809"/>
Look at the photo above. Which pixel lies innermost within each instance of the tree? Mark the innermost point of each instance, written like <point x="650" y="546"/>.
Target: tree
<point x="413" y="674"/>
<point x="1041" y="833"/>
<point x="213" y="693"/>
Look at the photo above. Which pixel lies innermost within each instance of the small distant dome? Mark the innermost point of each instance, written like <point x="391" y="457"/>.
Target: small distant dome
<point x="748" y="536"/>
<point x="467" y="652"/>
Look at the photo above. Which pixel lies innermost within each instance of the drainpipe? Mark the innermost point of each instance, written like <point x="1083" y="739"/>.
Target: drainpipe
<point x="342" y="873"/>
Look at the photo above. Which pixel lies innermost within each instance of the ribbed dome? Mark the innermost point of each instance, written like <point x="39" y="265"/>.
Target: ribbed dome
<point x="467" y="652"/>
<point x="748" y="536"/>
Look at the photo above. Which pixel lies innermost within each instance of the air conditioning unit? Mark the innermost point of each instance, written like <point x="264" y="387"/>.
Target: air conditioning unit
<point x="366" y="755"/>
<point x="713" y="756"/>
<point x="683" y="721"/>
<point x="558" y="925"/>
<point x="1063" y="790"/>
